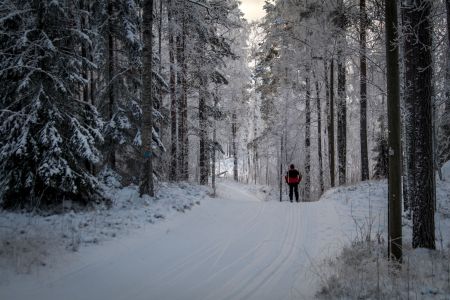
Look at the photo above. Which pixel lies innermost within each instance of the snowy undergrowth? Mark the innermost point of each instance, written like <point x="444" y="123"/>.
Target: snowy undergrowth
<point x="361" y="271"/>
<point x="31" y="241"/>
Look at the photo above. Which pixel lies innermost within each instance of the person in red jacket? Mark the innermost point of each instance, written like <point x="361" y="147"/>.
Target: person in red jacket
<point x="293" y="178"/>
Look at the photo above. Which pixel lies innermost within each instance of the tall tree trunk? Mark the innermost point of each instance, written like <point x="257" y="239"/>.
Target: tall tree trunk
<point x="363" y="91"/>
<point x="184" y="115"/>
<point x="331" y="149"/>
<point x="173" y="97"/>
<point x="110" y="76"/>
<point x="203" y="134"/>
<point x="444" y="136"/>
<point x="307" y="177"/>
<point x="319" y="136"/>
<point x="234" y="146"/>
<point x="213" y="152"/>
<point x="395" y="156"/>
<point x="423" y="203"/>
<point x="409" y="106"/>
<point x="160" y="24"/>
<point x="146" y="182"/>
<point x="342" y="101"/>
<point x="182" y="105"/>
<point x="341" y="121"/>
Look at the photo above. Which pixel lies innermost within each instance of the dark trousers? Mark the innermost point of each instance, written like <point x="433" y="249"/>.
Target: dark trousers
<point x="293" y="188"/>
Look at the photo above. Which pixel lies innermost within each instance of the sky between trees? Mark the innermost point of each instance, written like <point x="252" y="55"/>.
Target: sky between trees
<point x="252" y="9"/>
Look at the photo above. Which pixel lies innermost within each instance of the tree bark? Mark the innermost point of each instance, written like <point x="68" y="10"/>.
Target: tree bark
<point x="307" y="177"/>
<point x="182" y="101"/>
<point x="444" y="137"/>
<point x="331" y="149"/>
<point x="160" y="22"/>
<point x="173" y="97"/>
<point x="410" y="107"/>
<point x="319" y="137"/>
<point x="342" y="101"/>
<point x="203" y="134"/>
<point x="363" y="92"/>
<point x="235" y="156"/>
<point x="146" y="182"/>
<point x="423" y="203"/>
<point x="184" y="115"/>
<point x="393" y="87"/>
<point x="341" y="121"/>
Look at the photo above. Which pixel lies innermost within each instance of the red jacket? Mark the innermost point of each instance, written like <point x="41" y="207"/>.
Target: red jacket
<point x="293" y="176"/>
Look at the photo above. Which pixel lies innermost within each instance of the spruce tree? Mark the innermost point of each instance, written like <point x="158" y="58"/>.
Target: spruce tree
<point x="47" y="131"/>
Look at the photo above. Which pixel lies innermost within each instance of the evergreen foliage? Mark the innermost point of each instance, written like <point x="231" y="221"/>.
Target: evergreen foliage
<point x="381" y="151"/>
<point x="48" y="134"/>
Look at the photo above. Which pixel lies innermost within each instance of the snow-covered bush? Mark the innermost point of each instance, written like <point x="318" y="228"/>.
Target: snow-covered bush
<point x="48" y="135"/>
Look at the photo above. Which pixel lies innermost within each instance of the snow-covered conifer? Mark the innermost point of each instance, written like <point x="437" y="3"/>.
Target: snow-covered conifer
<point x="48" y="134"/>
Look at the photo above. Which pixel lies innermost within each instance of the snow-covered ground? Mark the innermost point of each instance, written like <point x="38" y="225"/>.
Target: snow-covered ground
<point x="31" y="243"/>
<point x="236" y="246"/>
<point x="361" y="270"/>
<point x="244" y="244"/>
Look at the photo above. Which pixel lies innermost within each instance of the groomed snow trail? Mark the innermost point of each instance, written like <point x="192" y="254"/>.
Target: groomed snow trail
<point x="233" y="247"/>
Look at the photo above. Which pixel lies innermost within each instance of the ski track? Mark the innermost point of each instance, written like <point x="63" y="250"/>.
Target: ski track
<point x="233" y="247"/>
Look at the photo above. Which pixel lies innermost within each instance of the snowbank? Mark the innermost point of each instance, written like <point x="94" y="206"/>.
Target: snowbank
<point x="362" y="271"/>
<point x="29" y="241"/>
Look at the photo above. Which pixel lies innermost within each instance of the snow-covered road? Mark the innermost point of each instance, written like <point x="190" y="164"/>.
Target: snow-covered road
<point x="233" y="247"/>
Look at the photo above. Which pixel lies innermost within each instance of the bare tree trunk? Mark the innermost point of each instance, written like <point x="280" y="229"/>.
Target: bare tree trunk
<point x="235" y="157"/>
<point x="444" y="136"/>
<point x="203" y="134"/>
<point x="331" y="149"/>
<point x="184" y="115"/>
<point x="213" y="152"/>
<point x="173" y="97"/>
<point x="281" y="168"/>
<point x="395" y="156"/>
<point x="319" y="137"/>
<point x="342" y="101"/>
<point x="423" y="208"/>
<point x="410" y="108"/>
<point x="160" y="22"/>
<point x="307" y="177"/>
<point x="146" y="182"/>
<point x="182" y="101"/>
<point x="363" y="92"/>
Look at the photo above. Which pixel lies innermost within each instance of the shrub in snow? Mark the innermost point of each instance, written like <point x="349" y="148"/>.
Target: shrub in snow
<point x="110" y="178"/>
<point x="48" y="136"/>
<point x="363" y="271"/>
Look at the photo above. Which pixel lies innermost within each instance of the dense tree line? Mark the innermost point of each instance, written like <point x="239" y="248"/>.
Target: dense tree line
<point x="92" y="89"/>
<point x="367" y="123"/>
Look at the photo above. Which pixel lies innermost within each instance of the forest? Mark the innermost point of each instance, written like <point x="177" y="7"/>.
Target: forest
<point x="108" y="106"/>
